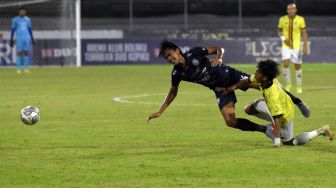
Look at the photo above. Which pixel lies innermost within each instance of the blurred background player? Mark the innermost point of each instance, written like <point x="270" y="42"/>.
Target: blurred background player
<point x="21" y="25"/>
<point x="276" y="107"/>
<point x="290" y="29"/>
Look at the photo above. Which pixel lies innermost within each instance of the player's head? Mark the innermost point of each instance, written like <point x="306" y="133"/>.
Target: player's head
<point x="267" y="70"/>
<point x="171" y="52"/>
<point x="291" y="9"/>
<point x="22" y="11"/>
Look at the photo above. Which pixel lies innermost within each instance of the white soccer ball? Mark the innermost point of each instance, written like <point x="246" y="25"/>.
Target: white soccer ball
<point x="30" y="115"/>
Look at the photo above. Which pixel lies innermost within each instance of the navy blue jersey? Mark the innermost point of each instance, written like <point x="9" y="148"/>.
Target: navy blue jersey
<point x="199" y="70"/>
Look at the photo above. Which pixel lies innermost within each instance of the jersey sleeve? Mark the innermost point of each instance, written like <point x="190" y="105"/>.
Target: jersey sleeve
<point x="199" y="51"/>
<point x="303" y="24"/>
<point x="252" y="79"/>
<point x="13" y="23"/>
<point x="175" y="78"/>
<point x="280" y="23"/>
<point x="29" y="23"/>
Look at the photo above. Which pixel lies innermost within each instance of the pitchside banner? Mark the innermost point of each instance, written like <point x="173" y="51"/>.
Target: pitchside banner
<point x="146" y="51"/>
<point x="44" y="52"/>
<point x="237" y="50"/>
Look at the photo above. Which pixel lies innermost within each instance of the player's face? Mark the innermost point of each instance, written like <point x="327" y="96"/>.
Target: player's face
<point x="22" y="12"/>
<point x="259" y="76"/>
<point x="291" y="10"/>
<point x="172" y="56"/>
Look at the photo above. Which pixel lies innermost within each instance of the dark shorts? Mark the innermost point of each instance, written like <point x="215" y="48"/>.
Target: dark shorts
<point x="235" y="77"/>
<point x="223" y="100"/>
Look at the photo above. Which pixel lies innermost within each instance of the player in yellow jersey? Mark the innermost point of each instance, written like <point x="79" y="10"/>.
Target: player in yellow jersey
<point x="276" y="106"/>
<point x="291" y="29"/>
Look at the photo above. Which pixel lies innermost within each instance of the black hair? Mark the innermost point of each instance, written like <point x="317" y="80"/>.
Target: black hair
<point x="22" y="7"/>
<point x="167" y="45"/>
<point x="268" y="68"/>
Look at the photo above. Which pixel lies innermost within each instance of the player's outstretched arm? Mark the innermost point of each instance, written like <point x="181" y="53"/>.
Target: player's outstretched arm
<point x="239" y="85"/>
<point x="169" y="98"/>
<point x="12" y="37"/>
<point x="220" y="53"/>
<point x="277" y="130"/>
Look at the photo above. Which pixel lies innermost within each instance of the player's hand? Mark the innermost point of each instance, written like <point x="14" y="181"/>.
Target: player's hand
<point x="216" y="62"/>
<point x="154" y="115"/>
<point x="11" y="43"/>
<point x="287" y="42"/>
<point x="305" y="50"/>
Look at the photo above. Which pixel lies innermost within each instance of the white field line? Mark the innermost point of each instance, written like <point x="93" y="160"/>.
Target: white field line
<point x="128" y="99"/>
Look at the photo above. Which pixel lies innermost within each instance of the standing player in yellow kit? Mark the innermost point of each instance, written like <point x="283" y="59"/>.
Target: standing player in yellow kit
<point x="290" y="29"/>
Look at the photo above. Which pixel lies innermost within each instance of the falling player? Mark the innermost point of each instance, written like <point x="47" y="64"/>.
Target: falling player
<point x="276" y="107"/>
<point x="194" y="66"/>
<point x="21" y="25"/>
<point x="290" y="29"/>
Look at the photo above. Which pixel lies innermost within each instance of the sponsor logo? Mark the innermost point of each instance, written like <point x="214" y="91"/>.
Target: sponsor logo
<point x="195" y="62"/>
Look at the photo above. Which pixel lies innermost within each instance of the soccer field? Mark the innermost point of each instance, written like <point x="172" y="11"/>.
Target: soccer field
<point x="93" y="132"/>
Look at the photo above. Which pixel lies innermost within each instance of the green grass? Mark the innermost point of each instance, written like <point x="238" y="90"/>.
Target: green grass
<point x="85" y="139"/>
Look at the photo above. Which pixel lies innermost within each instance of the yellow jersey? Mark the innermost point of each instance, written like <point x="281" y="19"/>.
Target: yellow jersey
<point x="277" y="100"/>
<point x="291" y="29"/>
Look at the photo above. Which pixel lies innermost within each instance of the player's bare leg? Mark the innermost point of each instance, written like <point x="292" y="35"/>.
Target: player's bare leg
<point x="287" y="75"/>
<point x="298" y="74"/>
<point x="228" y="112"/>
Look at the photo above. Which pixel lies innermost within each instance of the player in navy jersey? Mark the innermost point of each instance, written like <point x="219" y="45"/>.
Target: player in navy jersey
<point x="194" y="66"/>
<point x="21" y="25"/>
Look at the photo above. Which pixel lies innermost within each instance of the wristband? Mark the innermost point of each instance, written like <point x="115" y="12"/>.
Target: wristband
<point x="277" y="141"/>
<point x="283" y="38"/>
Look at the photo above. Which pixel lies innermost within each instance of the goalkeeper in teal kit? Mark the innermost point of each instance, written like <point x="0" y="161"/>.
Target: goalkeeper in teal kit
<point x="21" y="25"/>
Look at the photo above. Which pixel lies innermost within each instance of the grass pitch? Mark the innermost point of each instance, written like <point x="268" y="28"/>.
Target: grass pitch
<point x="86" y="139"/>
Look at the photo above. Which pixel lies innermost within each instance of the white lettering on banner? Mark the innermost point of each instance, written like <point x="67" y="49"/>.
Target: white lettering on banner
<point x="266" y="48"/>
<point x="264" y="45"/>
<point x="5" y="51"/>
<point x="138" y="56"/>
<point x="98" y="57"/>
<point x="64" y="52"/>
<point x="117" y="52"/>
<point x="120" y="56"/>
<point x="115" y="47"/>
<point x="135" y="47"/>
<point x="96" y="47"/>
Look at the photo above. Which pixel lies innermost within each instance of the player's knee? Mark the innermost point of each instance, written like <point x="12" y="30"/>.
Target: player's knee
<point x="231" y="122"/>
<point x="250" y="110"/>
<point x="247" y="110"/>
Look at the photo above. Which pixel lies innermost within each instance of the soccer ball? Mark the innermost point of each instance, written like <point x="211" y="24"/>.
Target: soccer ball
<point x="30" y="115"/>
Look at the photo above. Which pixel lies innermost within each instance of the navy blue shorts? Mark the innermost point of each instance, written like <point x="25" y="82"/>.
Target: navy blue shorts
<point x="223" y="100"/>
<point x="235" y="77"/>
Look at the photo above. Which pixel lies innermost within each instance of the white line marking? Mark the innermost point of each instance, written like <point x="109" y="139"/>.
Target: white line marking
<point x="125" y="99"/>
